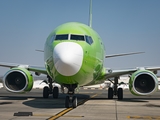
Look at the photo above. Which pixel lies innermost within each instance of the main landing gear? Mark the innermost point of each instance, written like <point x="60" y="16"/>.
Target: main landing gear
<point x="70" y="99"/>
<point x="50" y="90"/>
<point x="115" y="90"/>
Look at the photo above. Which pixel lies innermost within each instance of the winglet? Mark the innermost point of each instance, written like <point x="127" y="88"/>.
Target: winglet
<point x="90" y="14"/>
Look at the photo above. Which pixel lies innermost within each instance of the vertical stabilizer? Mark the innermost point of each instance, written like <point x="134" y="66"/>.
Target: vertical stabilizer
<point x="90" y="14"/>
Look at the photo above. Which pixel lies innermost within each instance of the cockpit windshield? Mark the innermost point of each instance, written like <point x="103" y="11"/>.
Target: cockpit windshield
<point x="62" y="37"/>
<point x="86" y="38"/>
<point x="77" y="37"/>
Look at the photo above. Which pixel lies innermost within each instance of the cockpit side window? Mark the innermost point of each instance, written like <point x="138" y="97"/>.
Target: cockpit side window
<point x="61" y="37"/>
<point x="52" y="39"/>
<point x="89" y="39"/>
<point x="77" y="37"/>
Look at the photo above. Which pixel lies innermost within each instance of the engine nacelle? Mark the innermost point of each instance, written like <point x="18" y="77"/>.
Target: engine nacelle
<point x="143" y="82"/>
<point x="18" y="80"/>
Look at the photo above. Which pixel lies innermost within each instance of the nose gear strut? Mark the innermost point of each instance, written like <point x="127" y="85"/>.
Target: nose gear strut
<point x="70" y="99"/>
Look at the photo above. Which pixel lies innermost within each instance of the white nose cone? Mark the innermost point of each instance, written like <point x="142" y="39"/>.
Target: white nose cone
<point x="68" y="58"/>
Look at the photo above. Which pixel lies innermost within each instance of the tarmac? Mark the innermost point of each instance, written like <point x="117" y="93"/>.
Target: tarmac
<point x="92" y="105"/>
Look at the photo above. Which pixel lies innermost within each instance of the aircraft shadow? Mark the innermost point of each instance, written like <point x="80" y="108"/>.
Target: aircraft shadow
<point x="50" y="102"/>
<point x="35" y="100"/>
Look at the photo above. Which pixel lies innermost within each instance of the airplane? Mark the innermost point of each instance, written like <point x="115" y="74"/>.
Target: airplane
<point x="74" y="56"/>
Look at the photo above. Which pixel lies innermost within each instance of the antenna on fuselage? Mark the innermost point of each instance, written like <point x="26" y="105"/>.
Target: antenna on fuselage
<point x="90" y="14"/>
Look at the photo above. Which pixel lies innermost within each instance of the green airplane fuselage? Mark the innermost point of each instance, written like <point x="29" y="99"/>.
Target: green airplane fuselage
<point x="76" y="44"/>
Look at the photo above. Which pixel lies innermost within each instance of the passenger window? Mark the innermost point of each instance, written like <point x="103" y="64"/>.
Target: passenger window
<point x="77" y="37"/>
<point x="62" y="37"/>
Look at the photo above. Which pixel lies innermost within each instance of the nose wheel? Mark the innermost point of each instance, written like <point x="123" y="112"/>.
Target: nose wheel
<point x="71" y="101"/>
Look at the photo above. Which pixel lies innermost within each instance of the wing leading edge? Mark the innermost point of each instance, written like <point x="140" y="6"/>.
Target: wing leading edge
<point x="30" y="68"/>
<point x="116" y="73"/>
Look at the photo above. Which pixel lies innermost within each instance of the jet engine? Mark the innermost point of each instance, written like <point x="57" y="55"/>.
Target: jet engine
<point x="143" y="82"/>
<point x="18" y="80"/>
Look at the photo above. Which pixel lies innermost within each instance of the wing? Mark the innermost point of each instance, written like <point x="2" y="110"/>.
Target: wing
<point x="116" y="73"/>
<point x="30" y="68"/>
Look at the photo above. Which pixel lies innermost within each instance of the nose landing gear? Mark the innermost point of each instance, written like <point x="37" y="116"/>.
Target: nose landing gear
<point x="71" y="100"/>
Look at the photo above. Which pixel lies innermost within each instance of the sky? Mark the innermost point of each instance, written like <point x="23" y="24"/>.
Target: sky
<point x="124" y="26"/>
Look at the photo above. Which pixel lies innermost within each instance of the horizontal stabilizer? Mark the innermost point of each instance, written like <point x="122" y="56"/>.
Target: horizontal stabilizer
<point x="40" y="50"/>
<point x="123" y="54"/>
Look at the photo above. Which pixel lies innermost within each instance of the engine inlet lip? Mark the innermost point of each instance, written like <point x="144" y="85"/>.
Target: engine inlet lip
<point x="9" y="72"/>
<point x="154" y="78"/>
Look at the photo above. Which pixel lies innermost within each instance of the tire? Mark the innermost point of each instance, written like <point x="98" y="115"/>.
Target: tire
<point x="110" y="93"/>
<point x="120" y="93"/>
<point x="45" y="92"/>
<point x="55" y="92"/>
<point x="74" y="102"/>
<point x="67" y="101"/>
